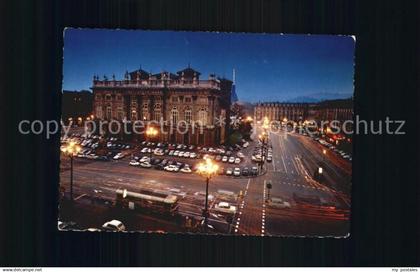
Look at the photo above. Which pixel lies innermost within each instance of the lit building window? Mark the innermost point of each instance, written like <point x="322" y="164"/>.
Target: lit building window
<point x="188" y="115"/>
<point x="174" y="115"/>
<point x="146" y="111"/>
<point x="202" y="117"/>
<point x="157" y="112"/>
<point x="133" y="114"/>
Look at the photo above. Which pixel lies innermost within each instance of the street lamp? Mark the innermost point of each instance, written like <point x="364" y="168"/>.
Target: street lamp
<point x="263" y="139"/>
<point x="71" y="149"/>
<point x="207" y="169"/>
<point x="151" y="132"/>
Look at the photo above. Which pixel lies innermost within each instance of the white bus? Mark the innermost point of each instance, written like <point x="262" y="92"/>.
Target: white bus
<point x="148" y="201"/>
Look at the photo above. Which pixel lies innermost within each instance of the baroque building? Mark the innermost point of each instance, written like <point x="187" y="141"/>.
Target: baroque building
<point x="181" y="100"/>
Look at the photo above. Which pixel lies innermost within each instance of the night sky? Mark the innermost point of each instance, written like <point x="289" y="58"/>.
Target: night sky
<point x="269" y="67"/>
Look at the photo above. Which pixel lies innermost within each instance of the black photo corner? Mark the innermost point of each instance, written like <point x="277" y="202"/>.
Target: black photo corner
<point x="385" y="191"/>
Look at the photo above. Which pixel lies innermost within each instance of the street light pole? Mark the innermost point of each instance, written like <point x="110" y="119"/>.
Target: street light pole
<point x="206" y="209"/>
<point x="207" y="169"/>
<point x="71" y="149"/>
<point x="71" y="177"/>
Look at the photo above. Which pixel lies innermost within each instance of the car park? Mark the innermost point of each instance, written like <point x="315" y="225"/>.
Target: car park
<point x="113" y="225"/>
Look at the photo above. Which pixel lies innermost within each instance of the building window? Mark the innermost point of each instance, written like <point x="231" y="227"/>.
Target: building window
<point x="98" y="97"/>
<point x="120" y="113"/>
<point x="188" y="115"/>
<point x="99" y="112"/>
<point x="187" y="99"/>
<point x="202" y="117"/>
<point x="174" y="99"/>
<point x="133" y="114"/>
<point x="157" y="112"/>
<point x="174" y="115"/>
<point x="145" y="111"/>
<point x="203" y="100"/>
<point x="109" y="113"/>
<point x="108" y="97"/>
<point x="119" y="97"/>
<point x="158" y="99"/>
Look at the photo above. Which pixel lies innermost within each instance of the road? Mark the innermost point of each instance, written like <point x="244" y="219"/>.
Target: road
<point x="295" y="159"/>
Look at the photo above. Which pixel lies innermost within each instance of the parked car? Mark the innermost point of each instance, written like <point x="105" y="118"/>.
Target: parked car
<point x="237" y="160"/>
<point x="193" y="155"/>
<point x="134" y="163"/>
<point x="229" y="171"/>
<point x="145" y="164"/>
<point x="118" y="156"/>
<point x="171" y="168"/>
<point x="145" y="159"/>
<point x="113" y="225"/>
<point x="245" y="171"/>
<point x="237" y="171"/>
<point x="186" y="169"/>
<point x="231" y="160"/>
<point x="254" y="170"/>
<point x="240" y="155"/>
<point x="224" y="159"/>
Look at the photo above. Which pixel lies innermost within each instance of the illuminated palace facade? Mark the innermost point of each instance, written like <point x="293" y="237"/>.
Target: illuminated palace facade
<point x="181" y="99"/>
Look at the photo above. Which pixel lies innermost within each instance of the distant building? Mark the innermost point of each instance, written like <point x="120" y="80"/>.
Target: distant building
<point x="279" y="111"/>
<point x="76" y="104"/>
<point x="170" y="98"/>
<point x="340" y="109"/>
